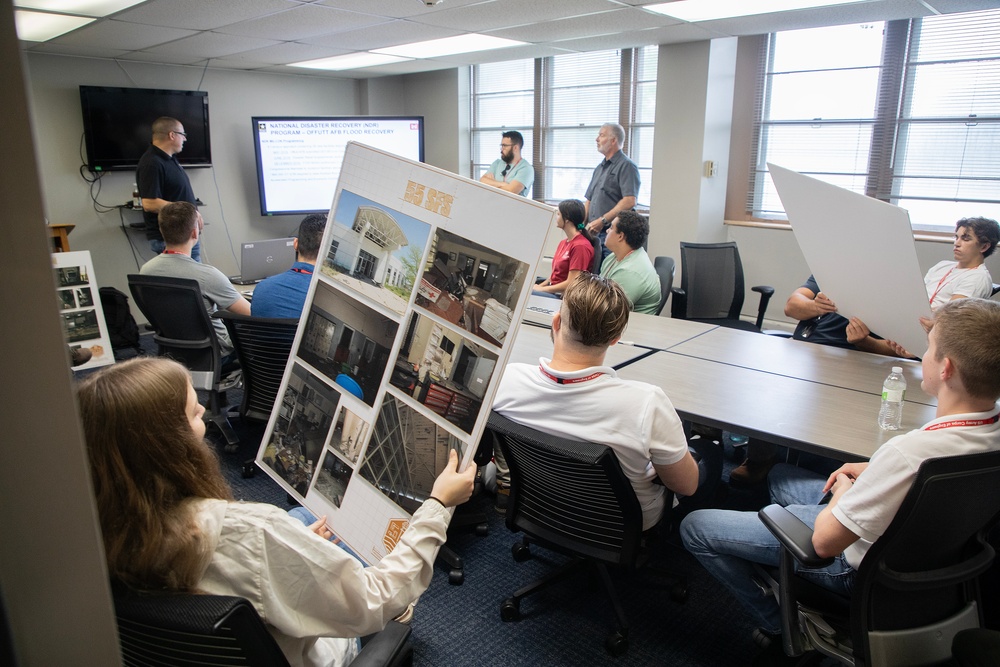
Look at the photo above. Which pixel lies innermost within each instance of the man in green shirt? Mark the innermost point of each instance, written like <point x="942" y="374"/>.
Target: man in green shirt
<point x="629" y="265"/>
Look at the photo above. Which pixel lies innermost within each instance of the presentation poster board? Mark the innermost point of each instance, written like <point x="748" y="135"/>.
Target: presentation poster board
<point x="862" y="254"/>
<point x="80" y="306"/>
<point x="409" y="320"/>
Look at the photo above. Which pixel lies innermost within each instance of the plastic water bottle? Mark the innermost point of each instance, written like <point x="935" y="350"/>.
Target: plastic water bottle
<point x="890" y="416"/>
<point x="136" y="203"/>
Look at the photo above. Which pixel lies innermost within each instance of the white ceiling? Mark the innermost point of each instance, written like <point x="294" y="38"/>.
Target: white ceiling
<point x="266" y="35"/>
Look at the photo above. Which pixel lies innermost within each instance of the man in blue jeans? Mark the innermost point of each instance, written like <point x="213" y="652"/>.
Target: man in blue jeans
<point x="962" y="369"/>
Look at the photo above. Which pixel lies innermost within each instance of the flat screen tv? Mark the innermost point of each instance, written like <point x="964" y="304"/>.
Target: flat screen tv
<point x="299" y="158"/>
<point x="117" y="124"/>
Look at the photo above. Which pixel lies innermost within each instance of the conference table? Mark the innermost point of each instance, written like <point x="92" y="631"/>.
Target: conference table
<point x="811" y="398"/>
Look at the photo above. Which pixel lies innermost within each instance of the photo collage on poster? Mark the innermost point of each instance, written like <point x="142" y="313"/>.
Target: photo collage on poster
<point x="79" y="303"/>
<point x="398" y="349"/>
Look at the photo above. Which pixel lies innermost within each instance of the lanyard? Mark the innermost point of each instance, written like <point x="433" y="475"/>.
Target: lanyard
<point x="941" y="284"/>
<point x="559" y="380"/>
<point x="174" y="252"/>
<point x="308" y="272"/>
<point x="964" y="422"/>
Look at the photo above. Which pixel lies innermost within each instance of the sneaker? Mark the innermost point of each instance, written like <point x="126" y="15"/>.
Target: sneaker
<point x="750" y="472"/>
<point x="503" y="498"/>
<point x="407" y="614"/>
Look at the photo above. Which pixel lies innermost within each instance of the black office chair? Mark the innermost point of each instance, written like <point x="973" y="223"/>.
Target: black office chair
<point x="263" y="346"/>
<point x="712" y="288"/>
<point x="917" y="585"/>
<point x="188" y="629"/>
<point x="665" y="267"/>
<point x="183" y="331"/>
<point x="996" y="288"/>
<point x="572" y="497"/>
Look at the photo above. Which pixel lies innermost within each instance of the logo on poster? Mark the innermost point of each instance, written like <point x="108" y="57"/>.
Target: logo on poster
<point x="431" y="199"/>
<point x="393" y="532"/>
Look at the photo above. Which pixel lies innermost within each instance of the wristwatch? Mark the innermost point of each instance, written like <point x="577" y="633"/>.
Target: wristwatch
<point x="604" y="223"/>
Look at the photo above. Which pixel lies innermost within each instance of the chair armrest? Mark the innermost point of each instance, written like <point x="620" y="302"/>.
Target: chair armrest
<point x="793" y="534"/>
<point x="766" y="292"/>
<point x="678" y="305"/>
<point x="385" y="647"/>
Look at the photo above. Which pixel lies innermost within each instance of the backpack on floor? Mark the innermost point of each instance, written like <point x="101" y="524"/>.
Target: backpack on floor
<point x="122" y="329"/>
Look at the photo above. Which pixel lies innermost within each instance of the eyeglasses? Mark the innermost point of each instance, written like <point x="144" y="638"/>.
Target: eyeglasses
<point x="183" y="134"/>
<point x="506" y="145"/>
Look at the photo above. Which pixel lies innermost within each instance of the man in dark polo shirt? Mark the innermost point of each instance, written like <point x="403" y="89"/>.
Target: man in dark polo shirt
<point x="614" y="186"/>
<point x="161" y="179"/>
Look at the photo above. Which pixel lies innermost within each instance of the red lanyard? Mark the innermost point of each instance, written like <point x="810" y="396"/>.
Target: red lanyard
<point x="941" y="284"/>
<point x="174" y="252"/>
<point x="559" y="380"/>
<point x="308" y="272"/>
<point x="964" y="422"/>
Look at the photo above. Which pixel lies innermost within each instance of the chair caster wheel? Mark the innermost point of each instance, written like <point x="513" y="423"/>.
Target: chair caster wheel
<point x="482" y="530"/>
<point x="520" y="552"/>
<point x="616" y="644"/>
<point x="679" y="593"/>
<point x="456" y="577"/>
<point x="510" y="610"/>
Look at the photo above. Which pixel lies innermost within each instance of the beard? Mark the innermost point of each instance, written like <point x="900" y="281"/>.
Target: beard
<point x="507" y="157"/>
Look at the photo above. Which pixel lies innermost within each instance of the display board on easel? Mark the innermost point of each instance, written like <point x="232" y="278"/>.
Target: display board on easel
<point x="419" y="286"/>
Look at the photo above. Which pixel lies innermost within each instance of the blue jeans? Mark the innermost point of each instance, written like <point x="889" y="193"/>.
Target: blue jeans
<point x="728" y="543"/>
<point x="158" y="246"/>
<point x="308" y="518"/>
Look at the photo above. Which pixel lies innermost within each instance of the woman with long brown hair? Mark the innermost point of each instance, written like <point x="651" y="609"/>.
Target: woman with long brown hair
<point x="575" y="253"/>
<point x="169" y="522"/>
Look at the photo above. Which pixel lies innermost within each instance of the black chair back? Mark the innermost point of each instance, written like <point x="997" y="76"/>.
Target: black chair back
<point x="924" y="569"/>
<point x="595" y="266"/>
<point x="712" y="287"/>
<point x="570" y="496"/>
<point x="175" y="309"/>
<point x="187" y="629"/>
<point x="263" y="346"/>
<point x="665" y="268"/>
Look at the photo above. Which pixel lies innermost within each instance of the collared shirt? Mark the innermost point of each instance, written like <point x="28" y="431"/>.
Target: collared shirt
<point x="613" y="180"/>
<point x="161" y="176"/>
<point x="522" y="172"/>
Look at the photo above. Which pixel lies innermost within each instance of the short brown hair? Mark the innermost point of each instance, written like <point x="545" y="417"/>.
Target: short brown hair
<point x="595" y="309"/>
<point x="965" y="331"/>
<point x="177" y="219"/>
<point x="146" y="465"/>
<point x="986" y="230"/>
<point x="634" y="227"/>
<point x="310" y="235"/>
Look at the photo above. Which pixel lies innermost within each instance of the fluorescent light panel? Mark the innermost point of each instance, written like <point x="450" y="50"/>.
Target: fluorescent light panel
<point x="710" y="10"/>
<point x="349" y="61"/>
<point x="449" y="46"/>
<point x="96" y="8"/>
<point x="41" y="27"/>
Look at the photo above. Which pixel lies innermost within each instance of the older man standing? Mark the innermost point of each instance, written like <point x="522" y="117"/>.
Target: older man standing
<point x="629" y="265"/>
<point x="615" y="184"/>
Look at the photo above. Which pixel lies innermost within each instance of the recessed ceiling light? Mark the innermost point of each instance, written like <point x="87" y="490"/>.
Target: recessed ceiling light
<point x="41" y="27"/>
<point x="449" y="46"/>
<point x="78" y="7"/>
<point x="349" y="61"/>
<point x="709" y="10"/>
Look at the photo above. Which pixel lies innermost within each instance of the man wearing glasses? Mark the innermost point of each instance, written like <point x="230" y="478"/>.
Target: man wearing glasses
<point x="161" y="180"/>
<point x="510" y="172"/>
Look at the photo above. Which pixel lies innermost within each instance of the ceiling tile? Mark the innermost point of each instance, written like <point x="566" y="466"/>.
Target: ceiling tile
<point x="400" y="8"/>
<point x="212" y="45"/>
<point x="302" y="22"/>
<point x="118" y="35"/>
<point x="169" y="58"/>
<point x="201" y="14"/>
<point x="392" y="33"/>
<point x="479" y="18"/>
<point x="622" y="20"/>
<point x="283" y="53"/>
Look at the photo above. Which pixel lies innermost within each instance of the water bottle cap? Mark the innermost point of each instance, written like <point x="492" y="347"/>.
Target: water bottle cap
<point x="897" y="369"/>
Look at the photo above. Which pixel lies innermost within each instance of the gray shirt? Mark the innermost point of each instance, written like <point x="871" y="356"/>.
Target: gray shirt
<point x="613" y="180"/>
<point x="216" y="289"/>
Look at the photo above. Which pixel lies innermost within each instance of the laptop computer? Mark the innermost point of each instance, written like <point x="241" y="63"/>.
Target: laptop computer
<point x="263" y="259"/>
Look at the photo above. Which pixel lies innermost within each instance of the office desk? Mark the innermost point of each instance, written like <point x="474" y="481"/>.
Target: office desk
<point x="834" y="366"/>
<point x="804" y="415"/>
<point x="530" y="343"/>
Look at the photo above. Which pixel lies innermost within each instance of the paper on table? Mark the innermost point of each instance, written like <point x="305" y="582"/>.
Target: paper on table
<point x="861" y="252"/>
